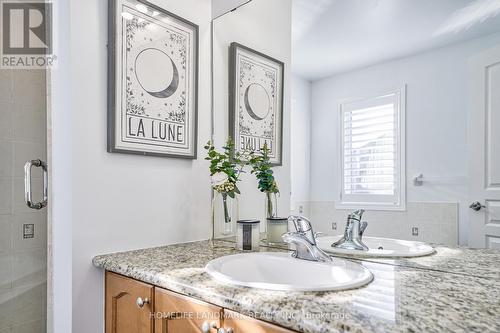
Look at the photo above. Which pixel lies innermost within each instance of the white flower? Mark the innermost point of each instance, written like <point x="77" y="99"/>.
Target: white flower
<point x="219" y="178"/>
<point x="225" y="188"/>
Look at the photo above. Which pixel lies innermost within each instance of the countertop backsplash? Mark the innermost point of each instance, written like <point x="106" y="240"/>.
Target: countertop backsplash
<point x="434" y="222"/>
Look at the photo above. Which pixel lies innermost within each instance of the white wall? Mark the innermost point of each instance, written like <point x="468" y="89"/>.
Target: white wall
<point x="436" y="122"/>
<point x="264" y="26"/>
<point x="300" y="140"/>
<point x="112" y="202"/>
<point x="59" y="152"/>
<point x="123" y="202"/>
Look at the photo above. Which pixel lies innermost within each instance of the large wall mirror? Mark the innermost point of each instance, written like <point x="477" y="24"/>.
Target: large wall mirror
<point x="397" y="103"/>
<point x="251" y="92"/>
<point x="391" y="111"/>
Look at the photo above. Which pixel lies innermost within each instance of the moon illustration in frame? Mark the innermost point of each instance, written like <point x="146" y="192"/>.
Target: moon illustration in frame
<point x="257" y="101"/>
<point x="156" y="72"/>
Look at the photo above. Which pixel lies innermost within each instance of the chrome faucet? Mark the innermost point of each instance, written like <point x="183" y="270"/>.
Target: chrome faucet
<point x="304" y="240"/>
<point x="353" y="233"/>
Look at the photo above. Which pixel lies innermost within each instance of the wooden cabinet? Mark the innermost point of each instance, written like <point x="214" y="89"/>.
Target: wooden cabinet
<point x="243" y="324"/>
<point x="123" y="314"/>
<point x="163" y="311"/>
<point x="175" y="313"/>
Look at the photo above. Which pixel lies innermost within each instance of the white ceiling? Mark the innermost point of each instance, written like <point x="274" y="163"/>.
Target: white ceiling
<point x="335" y="36"/>
<point x="220" y="7"/>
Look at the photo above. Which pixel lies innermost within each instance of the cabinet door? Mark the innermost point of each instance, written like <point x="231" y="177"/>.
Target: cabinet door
<point x="175" y="313"/>
<point x="123" y="314"/>
<point x="244" y="324"/>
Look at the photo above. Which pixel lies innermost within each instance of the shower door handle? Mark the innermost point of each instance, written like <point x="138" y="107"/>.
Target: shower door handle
<point x="28" y="198"/>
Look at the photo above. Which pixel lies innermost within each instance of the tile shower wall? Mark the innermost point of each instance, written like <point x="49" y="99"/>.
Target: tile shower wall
<point x="435" y="222"/>
<point x="22" y="260"/>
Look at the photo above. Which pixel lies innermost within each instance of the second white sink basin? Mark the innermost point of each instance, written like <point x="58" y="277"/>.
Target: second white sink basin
<point x="279" y="271"/>
<point x="379" y="247"/>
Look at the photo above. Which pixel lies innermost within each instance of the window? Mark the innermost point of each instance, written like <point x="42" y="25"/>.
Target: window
<point x="372" y="152"/>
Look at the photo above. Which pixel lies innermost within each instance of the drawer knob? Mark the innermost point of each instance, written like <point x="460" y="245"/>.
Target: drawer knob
<point x="141" y="302"/>
<point x="225" y="330"/>
<point x="207" y="326"/>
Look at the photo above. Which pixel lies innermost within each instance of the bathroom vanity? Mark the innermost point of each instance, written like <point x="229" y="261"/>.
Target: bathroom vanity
<point x="166" y="289"/>
<point x="134" y="306"/>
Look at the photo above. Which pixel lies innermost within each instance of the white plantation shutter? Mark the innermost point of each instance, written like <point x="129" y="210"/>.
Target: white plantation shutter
<point x="372" y="154"/>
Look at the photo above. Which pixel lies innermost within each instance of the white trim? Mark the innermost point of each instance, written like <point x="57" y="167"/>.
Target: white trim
<point x="400" y="202"/>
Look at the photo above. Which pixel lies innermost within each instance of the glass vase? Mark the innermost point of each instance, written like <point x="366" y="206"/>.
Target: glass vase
<point x="271" y="210"/>
<point x="271" y="204"/>
<point x="224" y="215"/>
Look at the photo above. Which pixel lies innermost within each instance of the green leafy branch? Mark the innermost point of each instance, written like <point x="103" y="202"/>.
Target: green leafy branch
<point x="228" y="163"/>
<point x="262" y="168"/>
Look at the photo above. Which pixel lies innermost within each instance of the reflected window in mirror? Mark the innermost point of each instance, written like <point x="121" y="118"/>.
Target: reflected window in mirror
<point x="372" y="152"/>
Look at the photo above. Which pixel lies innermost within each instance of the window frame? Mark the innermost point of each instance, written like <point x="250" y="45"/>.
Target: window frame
<point x="400" y="162"/>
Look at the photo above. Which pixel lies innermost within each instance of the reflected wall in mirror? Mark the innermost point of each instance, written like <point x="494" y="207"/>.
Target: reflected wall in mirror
<point x="447" y="55"/>
<point x="262" y="26"/>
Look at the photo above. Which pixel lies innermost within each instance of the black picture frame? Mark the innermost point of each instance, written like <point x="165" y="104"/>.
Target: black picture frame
<point x="112" y="84"/>
<point x="233" y="91"/>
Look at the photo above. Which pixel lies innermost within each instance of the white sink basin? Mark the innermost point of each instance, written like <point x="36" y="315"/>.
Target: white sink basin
<point x="379" y="247"/>
<point x="279" y="271"/>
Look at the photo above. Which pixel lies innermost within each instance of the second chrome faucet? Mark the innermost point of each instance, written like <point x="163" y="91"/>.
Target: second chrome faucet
<point x="304" y="238"/>
<point x="353" y="234"/>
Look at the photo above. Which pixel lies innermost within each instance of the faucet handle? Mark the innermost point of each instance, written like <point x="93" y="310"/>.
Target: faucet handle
<point x="356" y="215"/>
<point x="301" y="223"/>
<point x="362" y="228"/>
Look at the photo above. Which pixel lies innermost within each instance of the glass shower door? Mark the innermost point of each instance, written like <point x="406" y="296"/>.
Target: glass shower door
<point x="23" y="229"/>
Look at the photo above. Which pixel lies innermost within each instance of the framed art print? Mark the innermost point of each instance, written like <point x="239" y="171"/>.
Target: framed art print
<point x="153" y="73"/>
<point x="256" y="101"/>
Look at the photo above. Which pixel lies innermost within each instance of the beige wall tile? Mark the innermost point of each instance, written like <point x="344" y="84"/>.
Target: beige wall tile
<point x="29" y="124"/>
<point x="31" y="327"/>
<point x="27" y="86"/>
<point x="436" y="222"/>
<point x="6" y="154"/>
<point x="7" y="308"/>
<point x="6" y="121"/>
<point x="5" y="272"/>
<point x="29" y="268"/>
<point x="5" y="195"/>
<point x="5" y="85"/>
<point x="29" y="304"/>
<point x="5" y="232"/>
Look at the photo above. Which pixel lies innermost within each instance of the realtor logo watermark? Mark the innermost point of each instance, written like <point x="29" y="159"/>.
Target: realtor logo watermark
<point x="26" y="35"/>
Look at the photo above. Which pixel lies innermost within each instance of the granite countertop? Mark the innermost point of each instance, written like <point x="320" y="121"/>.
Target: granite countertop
<point x="456" y="260"/>
<point x="459" y="260"/>
<point x="402" y="297"/>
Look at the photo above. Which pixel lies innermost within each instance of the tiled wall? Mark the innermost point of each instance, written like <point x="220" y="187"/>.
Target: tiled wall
<point x="22" y="261"/>
<point x="436" y="222"/>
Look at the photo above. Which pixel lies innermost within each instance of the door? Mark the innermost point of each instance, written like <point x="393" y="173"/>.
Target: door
<point x="23" y="229"/>
<point x="129" y="305"/>
<point x="484" y="150"/>
<point x="175" y="313"/>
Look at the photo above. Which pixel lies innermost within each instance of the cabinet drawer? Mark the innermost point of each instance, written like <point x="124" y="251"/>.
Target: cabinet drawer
<point x="244" y="324"/>
<point x="175" y="313"/>
<point x="123" y="315"/>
